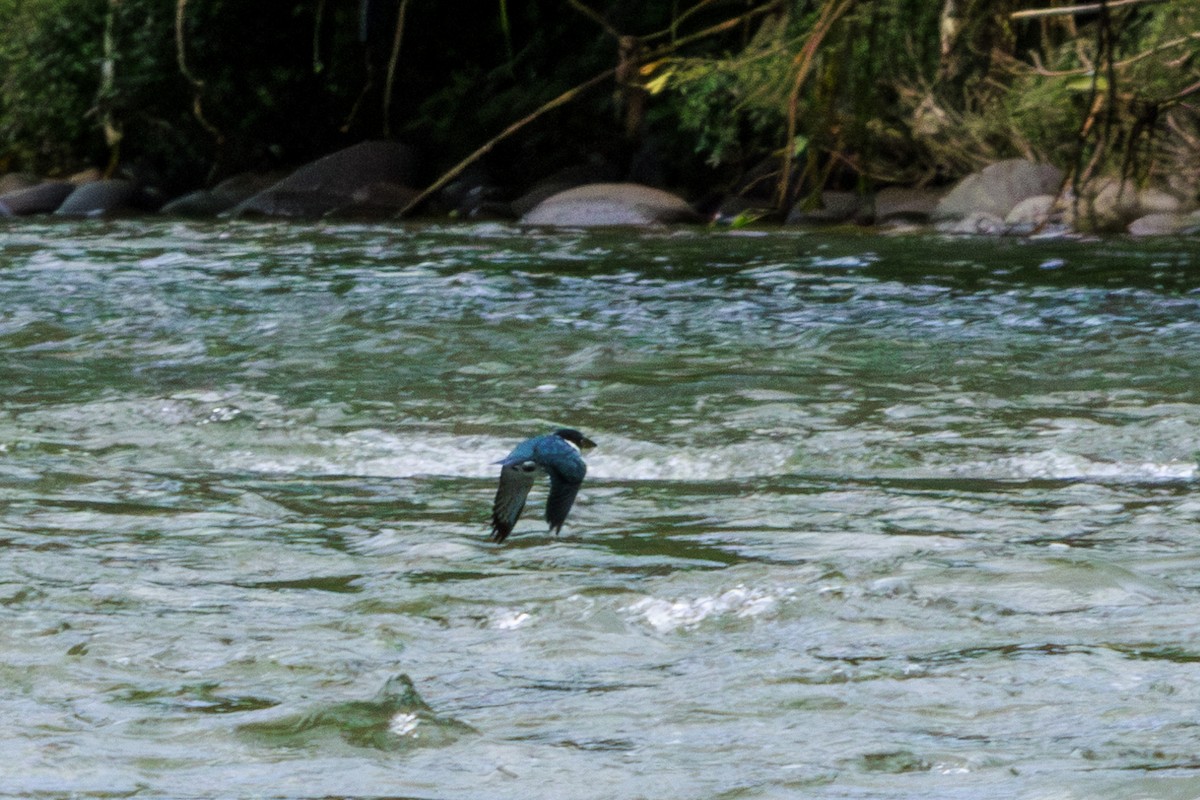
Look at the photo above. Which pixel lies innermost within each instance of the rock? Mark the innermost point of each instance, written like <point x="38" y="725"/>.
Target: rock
<point x="835" y="207"/>
<point x="998" y="188"/>
<point x="735" y="210"/>
<point x="338" y="183"/>
<point x="40" y="199"/>
<point x="599" y="204"/>
<point x="898" y="204"/>
<point x="1040" y="214"/>
<point x="474" y="194"/>
<point x="977" y="223"/>
<point x="220" y="198"/>
<point x="1167" y="223"/>
<point x="595" y="171"/>
<point x="1112" y="205"/>
<point x="99" y="198"/>
<point x="1156" y="201"/>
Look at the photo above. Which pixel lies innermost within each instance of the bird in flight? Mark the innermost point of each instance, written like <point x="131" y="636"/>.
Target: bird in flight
<point x="557" y="455"/>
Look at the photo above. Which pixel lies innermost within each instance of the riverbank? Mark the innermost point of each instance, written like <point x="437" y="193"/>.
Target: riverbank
<point x="375" y="180"/>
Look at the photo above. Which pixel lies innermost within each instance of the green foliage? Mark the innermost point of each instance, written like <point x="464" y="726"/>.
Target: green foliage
<point x="49" y="63"/>
<point x="288" y="80"/>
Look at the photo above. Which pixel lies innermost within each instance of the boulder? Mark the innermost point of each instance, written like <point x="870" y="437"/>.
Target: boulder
<point x="98" y="199"/>
<point x="220" y="198"/>
<point x="1111" y="205"/>
<point x="977" y="223"/>
<point x="899" y="204"/>
<point x="594" y="171"/>
<point x="998" y="188"/>
<point x="834" y="207"/>
<point x="339" y="183"/>
<point x="40" y="199"/>
<point x="1165" y="223"/>
<point x="600" y="204"/>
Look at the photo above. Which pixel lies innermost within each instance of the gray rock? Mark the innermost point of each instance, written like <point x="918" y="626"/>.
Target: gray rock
<point x="600" y="204"/>
<point x="97" y="199"/>
<point x="333" y="184"/>
<point x="998" y="188"/>
<point x="220" y="198"/>
<point x="40" y="199"/>
<point x="1168" y="223"/>
<point x="1111" y="205"/>
<point x="595" y="171"/>
<point x="1040" y="214"/>
<point x="977" y="223"/>
<point x="835" y="207"/>
<point x="898" y="204"/>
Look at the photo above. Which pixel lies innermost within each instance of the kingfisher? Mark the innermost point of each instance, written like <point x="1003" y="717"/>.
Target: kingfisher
<point x="557" y="455"/>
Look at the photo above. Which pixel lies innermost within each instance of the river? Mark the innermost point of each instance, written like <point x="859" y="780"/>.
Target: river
<point x="869" y="517"/>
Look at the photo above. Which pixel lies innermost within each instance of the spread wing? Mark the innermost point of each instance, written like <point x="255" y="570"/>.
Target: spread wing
<point x="558" y="504"/>
<point x="565" y="478"/>
<point x="515" y="482"/>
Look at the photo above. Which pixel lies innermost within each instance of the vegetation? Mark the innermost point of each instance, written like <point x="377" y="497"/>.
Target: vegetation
<point x="775" y="96"/>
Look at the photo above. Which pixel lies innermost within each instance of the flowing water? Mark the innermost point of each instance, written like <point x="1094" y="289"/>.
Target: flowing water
<point x="869" y="517"/>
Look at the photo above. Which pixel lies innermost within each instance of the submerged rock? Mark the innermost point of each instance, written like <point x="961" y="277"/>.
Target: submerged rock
<point x="600" y="204"/>
<point x="395" y="719"/>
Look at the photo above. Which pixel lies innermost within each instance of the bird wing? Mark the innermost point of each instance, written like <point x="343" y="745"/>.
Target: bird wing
<point x="566" y="470"/>
<point x="515" y="481"/>
<point x="558" y="504"/>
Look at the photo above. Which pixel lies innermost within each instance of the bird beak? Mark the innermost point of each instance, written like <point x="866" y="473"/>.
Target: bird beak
<point x="586" y="443"/>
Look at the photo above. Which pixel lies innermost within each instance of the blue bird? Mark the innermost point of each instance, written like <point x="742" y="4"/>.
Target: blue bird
<point x="557" y="455"/>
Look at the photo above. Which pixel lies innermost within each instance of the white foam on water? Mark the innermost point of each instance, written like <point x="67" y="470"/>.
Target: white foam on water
<point x="1060" y="465"/>
<point x="668" y="615"/>
<point x="403" y="723"/>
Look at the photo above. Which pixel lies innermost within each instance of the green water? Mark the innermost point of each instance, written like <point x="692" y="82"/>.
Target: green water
<point x="869" y="517"/>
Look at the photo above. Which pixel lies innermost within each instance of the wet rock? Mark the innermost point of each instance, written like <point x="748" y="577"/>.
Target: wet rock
<point x="345" y="182"/>
<point x="834" y="207"/>
<point x="998" y="188"/>
<point x="735" y="210"/>
<point x="40" y="199"/>
<point x="220" y="198"/>
<point x="99" y="198"/>
<point x="600" y="204"/>
<point x="395" y="719"/>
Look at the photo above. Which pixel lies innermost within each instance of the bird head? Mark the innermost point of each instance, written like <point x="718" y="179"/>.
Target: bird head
<point x="575" y="437"/>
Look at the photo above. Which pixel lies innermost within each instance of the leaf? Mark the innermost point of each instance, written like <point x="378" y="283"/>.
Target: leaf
<point x="1085" y="84"/>
<point x="658" y="84"/>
